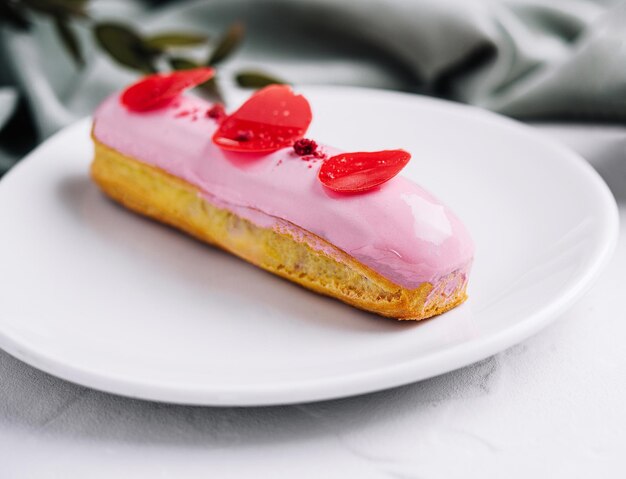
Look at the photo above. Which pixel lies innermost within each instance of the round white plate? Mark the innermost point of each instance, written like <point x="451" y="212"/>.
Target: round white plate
<point x="99" y="296"/>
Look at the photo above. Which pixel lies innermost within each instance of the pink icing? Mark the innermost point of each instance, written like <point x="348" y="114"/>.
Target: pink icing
<point x="399" y="229"/>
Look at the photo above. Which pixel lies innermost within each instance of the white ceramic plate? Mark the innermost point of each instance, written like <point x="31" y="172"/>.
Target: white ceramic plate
<point x="96" y="295"/>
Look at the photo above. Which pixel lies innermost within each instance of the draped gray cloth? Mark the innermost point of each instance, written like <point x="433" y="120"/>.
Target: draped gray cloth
<point x="524" y="58"/>
<point x="531" y="59"/>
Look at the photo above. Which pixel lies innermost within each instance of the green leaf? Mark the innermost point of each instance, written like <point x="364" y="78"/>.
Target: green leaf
<point x="178" y="63"/>
<point x="164" y="41"/>
<point x="256" y="79"/>
<point x="211" y="90"/>
<point x="68" y="39"/>
<point x="227" y="44"/>
<point x="58" y="7"/>
<point x="125" y="46"/>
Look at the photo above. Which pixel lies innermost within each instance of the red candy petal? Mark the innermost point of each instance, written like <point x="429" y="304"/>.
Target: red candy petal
<point x="271" y="119"/>
<point x="156" y="91"/>
<point x="361" y="171"/>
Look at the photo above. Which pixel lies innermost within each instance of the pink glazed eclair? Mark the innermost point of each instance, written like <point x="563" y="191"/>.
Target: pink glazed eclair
<point x="394" y="250"/>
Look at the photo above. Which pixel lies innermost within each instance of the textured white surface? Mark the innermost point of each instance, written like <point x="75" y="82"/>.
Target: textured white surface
<point x="552" y="406"/>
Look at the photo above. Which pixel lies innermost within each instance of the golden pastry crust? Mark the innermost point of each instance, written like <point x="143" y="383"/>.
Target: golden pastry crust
<point x="290" y="253"/>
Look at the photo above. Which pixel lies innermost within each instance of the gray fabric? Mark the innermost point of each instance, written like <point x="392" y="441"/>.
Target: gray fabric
<point x="524" y="58"/>
<point x="8" y="98"/>
<point x="530" y="59"/>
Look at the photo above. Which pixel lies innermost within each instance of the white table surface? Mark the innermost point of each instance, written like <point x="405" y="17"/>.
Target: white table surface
<point x="553" y="406"/>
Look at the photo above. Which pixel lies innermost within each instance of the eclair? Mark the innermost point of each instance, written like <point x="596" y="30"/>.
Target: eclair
<point x="338" y="223"/>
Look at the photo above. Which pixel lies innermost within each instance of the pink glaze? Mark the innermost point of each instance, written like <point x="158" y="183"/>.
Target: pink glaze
<point x="399" y="229"/>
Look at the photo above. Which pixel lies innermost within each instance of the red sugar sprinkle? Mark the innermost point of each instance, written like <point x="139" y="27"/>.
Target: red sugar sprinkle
<point x="182" y="113"/>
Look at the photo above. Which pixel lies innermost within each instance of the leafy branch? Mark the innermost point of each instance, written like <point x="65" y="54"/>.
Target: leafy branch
<point x="131" y="49"/>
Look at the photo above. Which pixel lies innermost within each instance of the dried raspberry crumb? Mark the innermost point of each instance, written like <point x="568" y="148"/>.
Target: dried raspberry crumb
<point x="216" y="112"/>
<point x="320" y="155"/>
<point x="182" y="113"/>
<point x="305" y="147"/>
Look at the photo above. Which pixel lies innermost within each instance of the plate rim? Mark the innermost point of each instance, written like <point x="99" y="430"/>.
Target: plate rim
<point x="362" y="382"/>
